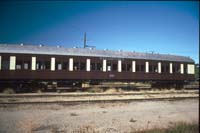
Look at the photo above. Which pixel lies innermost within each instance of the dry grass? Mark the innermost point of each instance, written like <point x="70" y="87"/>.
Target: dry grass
<point x="179" y="127"/>
<point x="86" y="129"/>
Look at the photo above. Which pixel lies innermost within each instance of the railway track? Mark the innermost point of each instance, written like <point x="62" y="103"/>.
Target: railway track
<point x="94" y="101"/>
<point x="30" y="95"/>
<point x="73" y="98"/>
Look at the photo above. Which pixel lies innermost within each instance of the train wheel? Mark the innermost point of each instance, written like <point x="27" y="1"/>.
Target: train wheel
<point x="9" y="91"/>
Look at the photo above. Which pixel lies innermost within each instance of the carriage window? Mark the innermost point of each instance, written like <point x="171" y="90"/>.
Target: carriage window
<point x="167" y="68"/>
<point x="114" y="66"/>
<point x="65" y="65"/>
<point x="123" y="67"/>
<point x="47" y="64"/>
<point x="58" y="66"/>
<point x="18" y="64"/>
<point x="76" y="66"/>
<point x="99" y="66"/>
<point x="178" y="70"/>
<point x="174" y="69"/>
<point x="150" y="68"/>
<point x="142" y="68"/>
<point x="93" y="66"/>
<point x="155" y="68"/>
<point x="27" y="65"/>
<point x="129" y="67"/>
<point x="185" y="69"/>
<point x="5" y="64"/>
<point x="109" y="67"/>
<point x="83" y="66"/>
<point x="138" y="68"/>
<point x="162" y="69"/>
<point x="40" y="65"/>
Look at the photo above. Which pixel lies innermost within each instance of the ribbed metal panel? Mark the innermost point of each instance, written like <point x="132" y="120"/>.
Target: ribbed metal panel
<point x="50" y="50"/>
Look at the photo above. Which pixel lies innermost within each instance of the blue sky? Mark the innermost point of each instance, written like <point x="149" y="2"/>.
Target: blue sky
<point x="168" y="27"/>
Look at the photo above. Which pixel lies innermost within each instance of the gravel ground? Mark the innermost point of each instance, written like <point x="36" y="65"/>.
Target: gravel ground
<point x="99" y="117"/>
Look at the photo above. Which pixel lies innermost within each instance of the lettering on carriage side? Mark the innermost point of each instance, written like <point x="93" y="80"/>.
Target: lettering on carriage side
<point x="111" y="75"/>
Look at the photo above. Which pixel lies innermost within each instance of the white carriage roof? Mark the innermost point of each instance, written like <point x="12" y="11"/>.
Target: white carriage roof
<point x="50" y="50"/>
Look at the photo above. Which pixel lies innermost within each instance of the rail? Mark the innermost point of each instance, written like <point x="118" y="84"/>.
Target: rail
<point x="98" y="97"/>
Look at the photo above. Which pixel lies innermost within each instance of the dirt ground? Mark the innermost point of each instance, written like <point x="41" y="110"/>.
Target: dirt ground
<point x="99" y="117"/>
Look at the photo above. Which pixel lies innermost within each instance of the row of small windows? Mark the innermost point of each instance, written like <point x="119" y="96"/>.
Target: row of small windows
<point x="94" y="66"/>
<point x="19" y="65"/>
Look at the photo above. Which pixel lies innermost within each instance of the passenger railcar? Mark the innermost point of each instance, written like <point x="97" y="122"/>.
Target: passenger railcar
<point x="25" y="66"/>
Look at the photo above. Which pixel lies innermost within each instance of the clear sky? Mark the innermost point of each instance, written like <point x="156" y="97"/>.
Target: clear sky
<point x="166" y="27"/>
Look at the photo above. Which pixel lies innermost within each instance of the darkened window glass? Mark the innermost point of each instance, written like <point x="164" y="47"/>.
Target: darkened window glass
<point x="185" y="69"/>
<point x="167" y="69"/>
<point x="155" y="68"/>
<point x="128" y="67"/>
<point x="178" y="70"/>
<point x="19" y="64"/>
<point x="93" y="66"/>
<point x="174" y="69"/>
<point x="65" y="65"/>
<point x="137" y="68"/>
<point x="39" y="65"/>
<point x="99" y="66"/>
<point x="162" y="68"/>
<point x="58" y="65"/>
<point x="76" y="66"/>
<point x="150" y="68"/>
<point x="123" y="67"/>
<point x="27" y="65"/>
<point x="114" y="66"/>
<point x="109" y="67"/>
<point x="83" y="66"/>
<point x="142" y="68"/>
<point x="47" y="64"/>
<point x="5" y="65"/>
